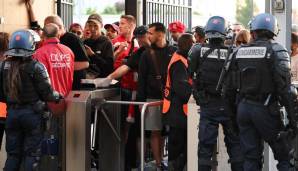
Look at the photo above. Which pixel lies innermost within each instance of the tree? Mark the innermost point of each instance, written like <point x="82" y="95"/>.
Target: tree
<point x="91" y="10"/>
<point x="244" y="11"/>
<point x="120" y="7"/>
<point x="110" y="10"/>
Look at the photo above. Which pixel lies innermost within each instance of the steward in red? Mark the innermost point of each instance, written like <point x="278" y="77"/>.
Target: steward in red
<point x="58" y="60"/>
<point x="176" y="96"/>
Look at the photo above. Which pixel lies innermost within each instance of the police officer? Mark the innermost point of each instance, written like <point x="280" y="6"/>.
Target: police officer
<point x="24" y="86"/>
<point x="260" y="75"/>
<point x="206" y="63"/>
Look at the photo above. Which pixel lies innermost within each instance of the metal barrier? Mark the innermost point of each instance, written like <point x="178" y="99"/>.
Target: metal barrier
<point x="65" y="11"/>
<point x="145" y="105"/>
<point x="167" y="11"/>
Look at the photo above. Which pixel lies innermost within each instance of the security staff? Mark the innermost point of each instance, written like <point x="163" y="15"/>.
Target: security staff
<point x="206" y="63"/>
<point x="260" y="75"/>
<point x="176" y="95"/>
<point x="24" y="87"/>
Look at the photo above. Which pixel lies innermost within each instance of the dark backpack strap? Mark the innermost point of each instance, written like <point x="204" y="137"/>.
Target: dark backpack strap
<point x="2" y="96"/>
<point x="156" y="64"/>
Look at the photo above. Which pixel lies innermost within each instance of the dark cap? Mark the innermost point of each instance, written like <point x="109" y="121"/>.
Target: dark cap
<point x="114" y="26"/>
<point x="140" y="31"/>
<point x="96" y="18"/>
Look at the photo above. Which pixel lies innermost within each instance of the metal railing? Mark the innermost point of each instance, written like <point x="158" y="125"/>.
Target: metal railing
<point x="145" y="105"/>
<point x="167" y="11"/>
<point x="65" y="11"/>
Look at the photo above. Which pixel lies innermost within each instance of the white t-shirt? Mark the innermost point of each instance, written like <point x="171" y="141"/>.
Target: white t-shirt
<point x="294" y="67"/>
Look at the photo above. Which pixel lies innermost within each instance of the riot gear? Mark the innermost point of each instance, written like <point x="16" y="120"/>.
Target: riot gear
<point x="258" y="82"/>
<point x="264" y="21"/>
<point x="216" y="28"/>
<point x="22" y="43"/>
<point x="31" y="91"/>
<point x="206" y="63"/>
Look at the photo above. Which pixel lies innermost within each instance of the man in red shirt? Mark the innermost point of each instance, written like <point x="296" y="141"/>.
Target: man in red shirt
<point x="58" y="60"/>
<point x="124" y="45"/>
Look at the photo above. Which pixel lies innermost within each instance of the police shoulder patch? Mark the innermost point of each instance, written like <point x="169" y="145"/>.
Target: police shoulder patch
<point x="251" y="52"/>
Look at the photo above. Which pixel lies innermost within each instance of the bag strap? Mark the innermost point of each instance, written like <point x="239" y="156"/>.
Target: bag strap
<point x="156" y="64"/>
<point x="2" y="97"/>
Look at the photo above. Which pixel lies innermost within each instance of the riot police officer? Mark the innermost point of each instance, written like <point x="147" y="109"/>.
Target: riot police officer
<point x="24" y="86"/>
<point x="206" y="63"/>
<point x="259" y="75"/>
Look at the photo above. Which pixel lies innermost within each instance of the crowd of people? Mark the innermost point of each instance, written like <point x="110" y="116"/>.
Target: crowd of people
<point x="240" y="78"/>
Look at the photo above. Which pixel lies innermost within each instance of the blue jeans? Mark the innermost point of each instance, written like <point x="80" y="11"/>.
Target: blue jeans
<point x="210" y="118"/>
<point x="258" y="123"/>
<point x="24" y="134"/>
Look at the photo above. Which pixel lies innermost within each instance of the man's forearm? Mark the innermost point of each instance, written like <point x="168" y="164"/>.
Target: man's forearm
<point x="119" y="72"/>
<point x="81" y="65"/>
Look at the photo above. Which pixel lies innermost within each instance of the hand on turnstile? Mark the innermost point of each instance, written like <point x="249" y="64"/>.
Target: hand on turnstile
<point x="102" y="82"/>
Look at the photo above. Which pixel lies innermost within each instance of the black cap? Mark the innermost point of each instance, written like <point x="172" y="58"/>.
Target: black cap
<point x="140" y="31"/>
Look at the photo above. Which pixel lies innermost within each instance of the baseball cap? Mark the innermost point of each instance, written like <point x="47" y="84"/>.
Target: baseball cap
<point x="114" y="26"/>
<point x="96" y="18"/>
<point x="177" y="26"/>
<point x="140" y="31"/>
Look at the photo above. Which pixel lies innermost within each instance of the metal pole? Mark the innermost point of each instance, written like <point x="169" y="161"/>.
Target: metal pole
<point x="142" y="135"/>
<point x="143" y="110"/>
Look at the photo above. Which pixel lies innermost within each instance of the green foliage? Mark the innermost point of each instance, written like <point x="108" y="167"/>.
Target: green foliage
<point x="120" y="7"/>
<point x="244" y="11"/>
<point x="110" y="10"/>
<point x="91" y="10"/>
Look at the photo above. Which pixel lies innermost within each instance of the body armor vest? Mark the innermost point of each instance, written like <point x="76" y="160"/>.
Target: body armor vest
<point x="210" y="64"/>
<point x="27" y="90"/>
<point x="255" y="65"/>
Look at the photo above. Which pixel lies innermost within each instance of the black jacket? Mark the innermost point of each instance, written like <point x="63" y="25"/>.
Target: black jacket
<point x="180" y="94"/>
<point x="101" y="63"/>
<point x="35" y="84"/>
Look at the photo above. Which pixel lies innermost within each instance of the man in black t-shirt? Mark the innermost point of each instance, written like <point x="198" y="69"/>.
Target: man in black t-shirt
<point x="152" y="74"/>
<point x="74" y="43"/>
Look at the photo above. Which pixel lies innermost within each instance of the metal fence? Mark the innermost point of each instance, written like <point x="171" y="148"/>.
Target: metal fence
<point x="65" y="11"/>
<point x="167" y="11"/>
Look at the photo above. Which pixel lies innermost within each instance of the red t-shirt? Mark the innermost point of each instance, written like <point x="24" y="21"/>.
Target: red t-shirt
<point x="127" y="81"/>
<point x="59" y="61"/>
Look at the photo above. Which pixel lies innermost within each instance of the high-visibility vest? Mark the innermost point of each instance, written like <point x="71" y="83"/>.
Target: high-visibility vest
<point x="167" y="101"/>
<point x="2" y="110"/>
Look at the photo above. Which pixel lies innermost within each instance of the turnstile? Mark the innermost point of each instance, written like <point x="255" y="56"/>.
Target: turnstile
<point x="78" y="131"/>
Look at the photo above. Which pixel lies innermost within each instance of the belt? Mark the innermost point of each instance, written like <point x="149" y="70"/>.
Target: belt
<point x="254" y="102"/>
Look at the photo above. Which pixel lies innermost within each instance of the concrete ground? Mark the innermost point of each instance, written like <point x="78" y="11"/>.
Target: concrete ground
<point x="193" y="119"/>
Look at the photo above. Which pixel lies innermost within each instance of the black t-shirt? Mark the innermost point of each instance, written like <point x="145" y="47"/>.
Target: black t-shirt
<point x="101" y="63"/>
<point x="151" y="83"/>
<point x="134" y="60"/>
<point x="76" y="45"/>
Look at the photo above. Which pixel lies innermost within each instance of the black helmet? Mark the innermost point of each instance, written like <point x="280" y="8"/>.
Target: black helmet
<point x="264" y="21"/>
<point x="140" y="31"/>
<point x="22" y="43"/>
<point x="215" y="27"/>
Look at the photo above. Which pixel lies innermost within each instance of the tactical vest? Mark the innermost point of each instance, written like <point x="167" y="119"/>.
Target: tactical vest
<point x="255" y="65"/>
<point x="28" y="93"/>
<point x="167" y="92"/>
<point x="210" y="64"/>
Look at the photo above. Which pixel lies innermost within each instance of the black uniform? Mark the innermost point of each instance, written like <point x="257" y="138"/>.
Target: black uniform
<point x="205" y="66"/>
<point x="260" y="75"/>
<point x="24" y="122"/>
